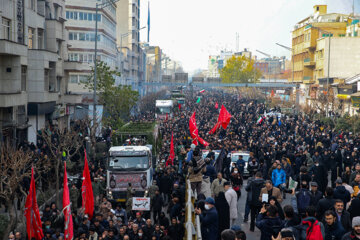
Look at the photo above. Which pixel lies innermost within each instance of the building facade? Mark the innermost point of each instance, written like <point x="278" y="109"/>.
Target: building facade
<point x="127" y="40"/>
<point x="304" y="40"/>
<point x="79" y="60"/>
<point x="32" y="82"/>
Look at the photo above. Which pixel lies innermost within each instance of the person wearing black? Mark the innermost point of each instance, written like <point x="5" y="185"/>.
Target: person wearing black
<point x="254" y="188"/>
<point x="176" y="230"/>
<point x="343" y="216"/>
<point x="340" y="192"/>
<point x="157" y="204"/>
<point x="222" y="207"/>
<point x="315" y="193"/>
<point x="268" y="222"/>
<point x="325" y="203"/>
<point x="319" y="174"/>
<point x="209" y="220"/>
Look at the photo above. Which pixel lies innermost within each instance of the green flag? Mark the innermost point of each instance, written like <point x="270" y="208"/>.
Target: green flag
<point x="198" y="100"/>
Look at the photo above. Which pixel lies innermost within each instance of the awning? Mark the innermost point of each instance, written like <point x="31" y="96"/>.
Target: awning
<point x="353" y="79"/>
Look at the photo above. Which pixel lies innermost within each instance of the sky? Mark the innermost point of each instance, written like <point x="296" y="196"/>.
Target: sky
<point x="190" y="30"/>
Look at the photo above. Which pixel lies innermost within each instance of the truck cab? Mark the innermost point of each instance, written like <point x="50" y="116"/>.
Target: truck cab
<point x="128" y="164"/>
<point x="164" y="108"/>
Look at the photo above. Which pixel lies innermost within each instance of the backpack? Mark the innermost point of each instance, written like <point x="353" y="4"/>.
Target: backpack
<point x="313" y="232"/>
<point x="303" y="200"/>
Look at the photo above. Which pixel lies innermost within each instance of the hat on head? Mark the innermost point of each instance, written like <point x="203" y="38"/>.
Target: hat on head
<point x="210" y="200"/>
<point x="355" y="221"/>
<point x="313" y="184"/>
<point x="192" y="146"/>
<point x="338" y="181"/>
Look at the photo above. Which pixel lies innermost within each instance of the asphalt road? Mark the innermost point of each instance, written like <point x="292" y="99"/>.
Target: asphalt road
<point x="241" y="211"/>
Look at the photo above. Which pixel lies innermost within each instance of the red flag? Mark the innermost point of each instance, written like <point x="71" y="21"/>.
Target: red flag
<point x="172" y="152"/>
<point x="216" y="105"/>
<point x="193" y="129"/>
<point x="194" y="132"/>
<point x="224" y="117"/>
<point x="87" y="191"/>
<point x="179" y="107"/>
<point x="68" y="229"/>
<point x="167" y="117"/>
<point x="223" y="120"/>
<point x="33" y="221"/>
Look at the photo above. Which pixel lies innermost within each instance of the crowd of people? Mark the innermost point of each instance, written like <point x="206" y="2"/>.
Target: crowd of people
<point x="282" y="149"/>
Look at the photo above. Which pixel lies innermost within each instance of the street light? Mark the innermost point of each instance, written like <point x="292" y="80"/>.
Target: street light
<point x="102" y="5"/>
<point x="127" y="34"/>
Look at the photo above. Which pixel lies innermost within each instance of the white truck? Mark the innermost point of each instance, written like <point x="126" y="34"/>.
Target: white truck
<point x="164" y="109"/>
<point x="128" y="164"/>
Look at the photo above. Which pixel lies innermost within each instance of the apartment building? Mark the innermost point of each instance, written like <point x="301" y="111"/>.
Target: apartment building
<point x="80" y="24"/>
<point x="32" y="42"/>
<point x="127" y="40"/>
<point x="304" y="40"/>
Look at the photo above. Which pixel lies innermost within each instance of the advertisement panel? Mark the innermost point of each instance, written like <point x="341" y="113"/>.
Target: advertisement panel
<point x="119" y="181"/>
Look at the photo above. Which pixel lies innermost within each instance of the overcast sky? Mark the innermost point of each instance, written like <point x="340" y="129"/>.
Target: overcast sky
<point x="191" y="30"/>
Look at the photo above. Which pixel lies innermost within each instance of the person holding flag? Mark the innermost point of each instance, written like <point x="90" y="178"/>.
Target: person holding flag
<point x="171" y="158"/>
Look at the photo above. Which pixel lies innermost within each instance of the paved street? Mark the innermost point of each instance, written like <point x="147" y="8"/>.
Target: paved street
<point x="241" y="210"/>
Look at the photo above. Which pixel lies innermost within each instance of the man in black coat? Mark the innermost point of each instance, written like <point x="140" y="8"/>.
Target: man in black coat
<point x="325" y="203"/>
<point x="319" y="174"/>
<point x="341" y="193"/>
<point x="342" y="215"/>
<point x="315" y="193"/>
<point x="156" y="205"/>
<point x="254" y="188"/>
<point x="209" y="220"/>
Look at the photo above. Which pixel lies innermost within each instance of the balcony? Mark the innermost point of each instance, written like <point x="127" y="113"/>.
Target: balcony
<point x="13" y="99"/>
<point x="308" y="80"/>
<point x="12" y="48"/>
<point x="309" y="63"/>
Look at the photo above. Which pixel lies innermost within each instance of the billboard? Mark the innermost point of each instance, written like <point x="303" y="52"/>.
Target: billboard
<point x="119" y="181"/>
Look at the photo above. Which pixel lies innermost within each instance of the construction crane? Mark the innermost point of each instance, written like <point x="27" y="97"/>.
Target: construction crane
<point x="268" y="55"/>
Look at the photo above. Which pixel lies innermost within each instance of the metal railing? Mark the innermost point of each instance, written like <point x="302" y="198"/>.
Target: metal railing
<point x="192" y="224"/>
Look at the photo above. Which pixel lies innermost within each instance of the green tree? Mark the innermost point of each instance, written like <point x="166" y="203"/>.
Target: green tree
<point x="117" y="100"/>
<point x="240" y="69"/>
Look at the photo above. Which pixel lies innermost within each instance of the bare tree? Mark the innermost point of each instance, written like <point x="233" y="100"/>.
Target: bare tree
<point x="15" y="167"/>
<point x="60" y="141"/>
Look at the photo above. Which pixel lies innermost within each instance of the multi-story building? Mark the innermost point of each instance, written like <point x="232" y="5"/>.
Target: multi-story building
<point x="304" y="41"/>
<point x="32" y="43"/>
<point x="80" y="24"/>
<point x="128" y="35"/>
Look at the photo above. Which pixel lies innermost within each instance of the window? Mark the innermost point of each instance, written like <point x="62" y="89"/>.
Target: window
<point x="58" y="84"/>
<point x="85" y="16"/>
<point x="40" y="38"/>
<point x="23" y="77"/>
<point x="6" y="24"/>
<point x="46" y="79"/>
<point x="82" y="36"/>
<point x="59" y="43"/>
<point x="90" y="17"/>
<point x="30" y="38"/>
<point x="81" y="16"/>
<point x="73" y="78"/>
<point x="67" y="14"/>
<point x="75" y="15"/>
<point x="32" y="4"/>
<point x="71" y="15"/>
<point x="71" y="36"/>
<point x="83" y="78"/>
